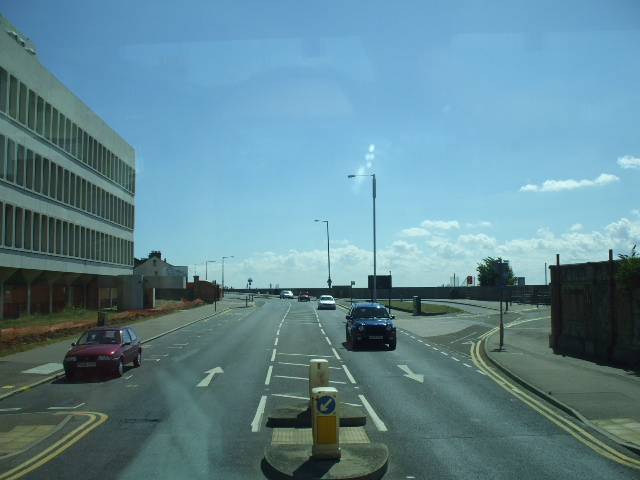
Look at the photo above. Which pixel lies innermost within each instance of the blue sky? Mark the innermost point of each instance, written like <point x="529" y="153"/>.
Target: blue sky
<point x="493" y="128"/>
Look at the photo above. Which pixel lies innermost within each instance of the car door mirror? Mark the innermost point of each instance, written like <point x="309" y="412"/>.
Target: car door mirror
<point x="348" y="317"/>
<point x="392" y="317"/>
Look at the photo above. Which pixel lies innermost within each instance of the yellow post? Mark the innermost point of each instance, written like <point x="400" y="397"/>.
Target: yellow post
<point x="325" y="423"/>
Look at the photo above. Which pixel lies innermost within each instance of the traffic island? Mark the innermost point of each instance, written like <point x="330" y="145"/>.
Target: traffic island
<point x="298" y="415"/>
<point x="357" y="461"/>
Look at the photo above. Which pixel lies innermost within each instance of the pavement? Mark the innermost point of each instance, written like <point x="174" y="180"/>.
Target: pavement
<point x="602" y="396"/>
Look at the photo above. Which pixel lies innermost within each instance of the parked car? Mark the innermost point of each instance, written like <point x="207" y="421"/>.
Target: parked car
<point x="326" y="302"/>
<point x="104" y="350"/>
<point x="286" y="294"/>
<point x="304" y="297"/>
<point x="369" y="322"/>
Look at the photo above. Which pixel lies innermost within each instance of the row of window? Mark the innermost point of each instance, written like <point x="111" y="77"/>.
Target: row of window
<point x="29" y="170"/>
<point x="26" y="230"/>
<point x="31" y="110"/>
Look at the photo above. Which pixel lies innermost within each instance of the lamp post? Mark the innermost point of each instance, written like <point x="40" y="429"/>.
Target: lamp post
<point x="373" y="191"/>
<point x="223" y="271"/>
<point x="206" y="265"/>
<point x="328" y="255"/>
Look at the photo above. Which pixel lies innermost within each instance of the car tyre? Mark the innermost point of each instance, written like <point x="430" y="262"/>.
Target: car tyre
<point x="120" y="370"/>
<point x="138" y="360"/>
<point x="69" y="374"/>
<point x="392" y="345"/>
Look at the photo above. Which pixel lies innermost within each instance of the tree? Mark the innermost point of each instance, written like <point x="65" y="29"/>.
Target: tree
<point x="487" y="273"/>
<point x="628" y="269"/>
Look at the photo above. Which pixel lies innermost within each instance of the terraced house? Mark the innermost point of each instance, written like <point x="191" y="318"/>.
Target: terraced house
<point x="67" y="187"/>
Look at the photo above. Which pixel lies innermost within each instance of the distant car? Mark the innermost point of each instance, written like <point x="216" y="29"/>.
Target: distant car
<point x="304" y="297"/>
<point x="326" y="302"/>
<point x="104" y="350"/>
<point x="286" y="294"/>
<point x="369" y="322"/>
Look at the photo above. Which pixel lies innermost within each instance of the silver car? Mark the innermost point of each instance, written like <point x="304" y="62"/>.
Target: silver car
<point x="326" y="302"/>
<point x="286" y="294"/>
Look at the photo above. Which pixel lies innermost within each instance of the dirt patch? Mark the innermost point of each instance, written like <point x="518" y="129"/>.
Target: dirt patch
<point x="24" y="338"/>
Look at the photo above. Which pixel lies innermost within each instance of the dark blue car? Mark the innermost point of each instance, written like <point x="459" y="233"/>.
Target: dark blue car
<point x="370" y="323"/>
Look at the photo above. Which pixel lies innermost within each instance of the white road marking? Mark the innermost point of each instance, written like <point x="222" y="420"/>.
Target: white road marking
<point x="266" y="382"/>
<point x="409" y="374"/>
<point x="374" y="416"/>
<point x="210" y="373"/>
<point x="349" y="376"/>
<point x="45" y="369"/>
<point x="273" y="355"/>
<point x="65" y="408"/>
<point x="257" y="420"/>
<point x="336" y="354"/>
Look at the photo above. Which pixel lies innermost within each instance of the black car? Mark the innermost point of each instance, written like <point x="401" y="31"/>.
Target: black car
<point x="369" y="322"/>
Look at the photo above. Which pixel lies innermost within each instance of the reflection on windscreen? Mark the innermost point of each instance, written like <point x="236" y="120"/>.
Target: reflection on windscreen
<point x="372" y="313"/>
<point x="99" y="336"/>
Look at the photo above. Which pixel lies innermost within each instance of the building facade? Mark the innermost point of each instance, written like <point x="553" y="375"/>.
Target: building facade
<point x="67" y="187"/>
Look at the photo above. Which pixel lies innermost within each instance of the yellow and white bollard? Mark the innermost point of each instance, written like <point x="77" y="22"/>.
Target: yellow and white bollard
<point x="325" y="423"/>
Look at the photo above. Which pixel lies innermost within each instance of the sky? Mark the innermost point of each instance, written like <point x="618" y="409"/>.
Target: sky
<point x="494" y="129"/>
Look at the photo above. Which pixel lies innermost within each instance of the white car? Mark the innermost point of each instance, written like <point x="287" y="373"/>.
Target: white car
<point x="286" y="294"/>
<point x="326" y="302"/>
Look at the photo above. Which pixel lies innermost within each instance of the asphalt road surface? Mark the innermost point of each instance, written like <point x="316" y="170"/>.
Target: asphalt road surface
<point x="197" y="407"/>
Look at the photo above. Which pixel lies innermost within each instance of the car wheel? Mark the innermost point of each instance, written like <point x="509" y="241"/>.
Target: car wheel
<point x="120" y="370"/>
<point x="392" y="345"/>
<point x="138" y="360"/>
<point x="69" y="374"/>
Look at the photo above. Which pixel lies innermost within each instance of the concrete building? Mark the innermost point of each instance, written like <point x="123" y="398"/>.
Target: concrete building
<point x="67" y="186"/>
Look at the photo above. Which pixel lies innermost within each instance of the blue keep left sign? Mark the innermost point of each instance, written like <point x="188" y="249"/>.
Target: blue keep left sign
<point x="326" y="405"/>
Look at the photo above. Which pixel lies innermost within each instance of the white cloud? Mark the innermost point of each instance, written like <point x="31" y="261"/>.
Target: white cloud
<point x="629" y="162"/>
<point x="414" y="232"/>
<point x="440" y="225"/>
<point x="478" y="224"/>
<point x="434" y="259"/>
<point x="559" y="185"/>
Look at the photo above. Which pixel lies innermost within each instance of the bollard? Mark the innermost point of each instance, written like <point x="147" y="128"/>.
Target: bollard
<point x="325" y="424"/>
<point x="318" y="376"/>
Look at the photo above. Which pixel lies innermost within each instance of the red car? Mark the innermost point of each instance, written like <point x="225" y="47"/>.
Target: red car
<point x="304" y="297"/>
<point x="105" y="350"/>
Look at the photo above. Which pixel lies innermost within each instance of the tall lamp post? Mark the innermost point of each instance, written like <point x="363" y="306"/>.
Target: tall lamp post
<point x="206" y="273"/>
<point x="328" y="255"/>
<point x="223" y="271"/>
<point x="373" y="186"/>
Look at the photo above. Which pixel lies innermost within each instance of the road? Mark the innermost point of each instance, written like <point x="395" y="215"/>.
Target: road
<point x="197" y="407"/>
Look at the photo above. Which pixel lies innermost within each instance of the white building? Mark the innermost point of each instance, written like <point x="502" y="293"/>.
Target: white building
<point x="67" y="186"/>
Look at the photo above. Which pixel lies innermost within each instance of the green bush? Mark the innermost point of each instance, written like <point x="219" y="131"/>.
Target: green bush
<point x="628" y="269"/>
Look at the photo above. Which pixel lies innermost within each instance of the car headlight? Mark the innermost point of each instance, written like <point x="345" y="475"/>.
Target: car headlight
<point x="361" y="327"/>
<point x="105" y="357"/>
<point x="389" y="327"/>
<point x="70" y="359"/>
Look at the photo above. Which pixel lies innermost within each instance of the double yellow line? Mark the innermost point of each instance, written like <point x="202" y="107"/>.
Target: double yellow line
<point x="573" y="429"/>
<point x="93" y="420"/>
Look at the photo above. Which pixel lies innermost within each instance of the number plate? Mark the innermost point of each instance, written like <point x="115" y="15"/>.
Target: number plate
<point x="376" y="337"/>
<point x="86" y="364"/>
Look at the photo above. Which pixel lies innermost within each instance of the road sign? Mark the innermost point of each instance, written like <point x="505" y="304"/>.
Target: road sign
<point x="326" y="405"/>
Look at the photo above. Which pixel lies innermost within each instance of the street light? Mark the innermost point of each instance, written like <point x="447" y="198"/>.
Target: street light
<point x="206" y="264"/>
<point x="223" y="271"/>
<point x="373" y="186"/>
<point x="328" y="256"/>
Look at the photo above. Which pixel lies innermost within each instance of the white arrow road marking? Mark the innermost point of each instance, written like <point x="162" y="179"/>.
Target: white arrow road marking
<point x="413" y="376"/>
<point x="207" y="380"/>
